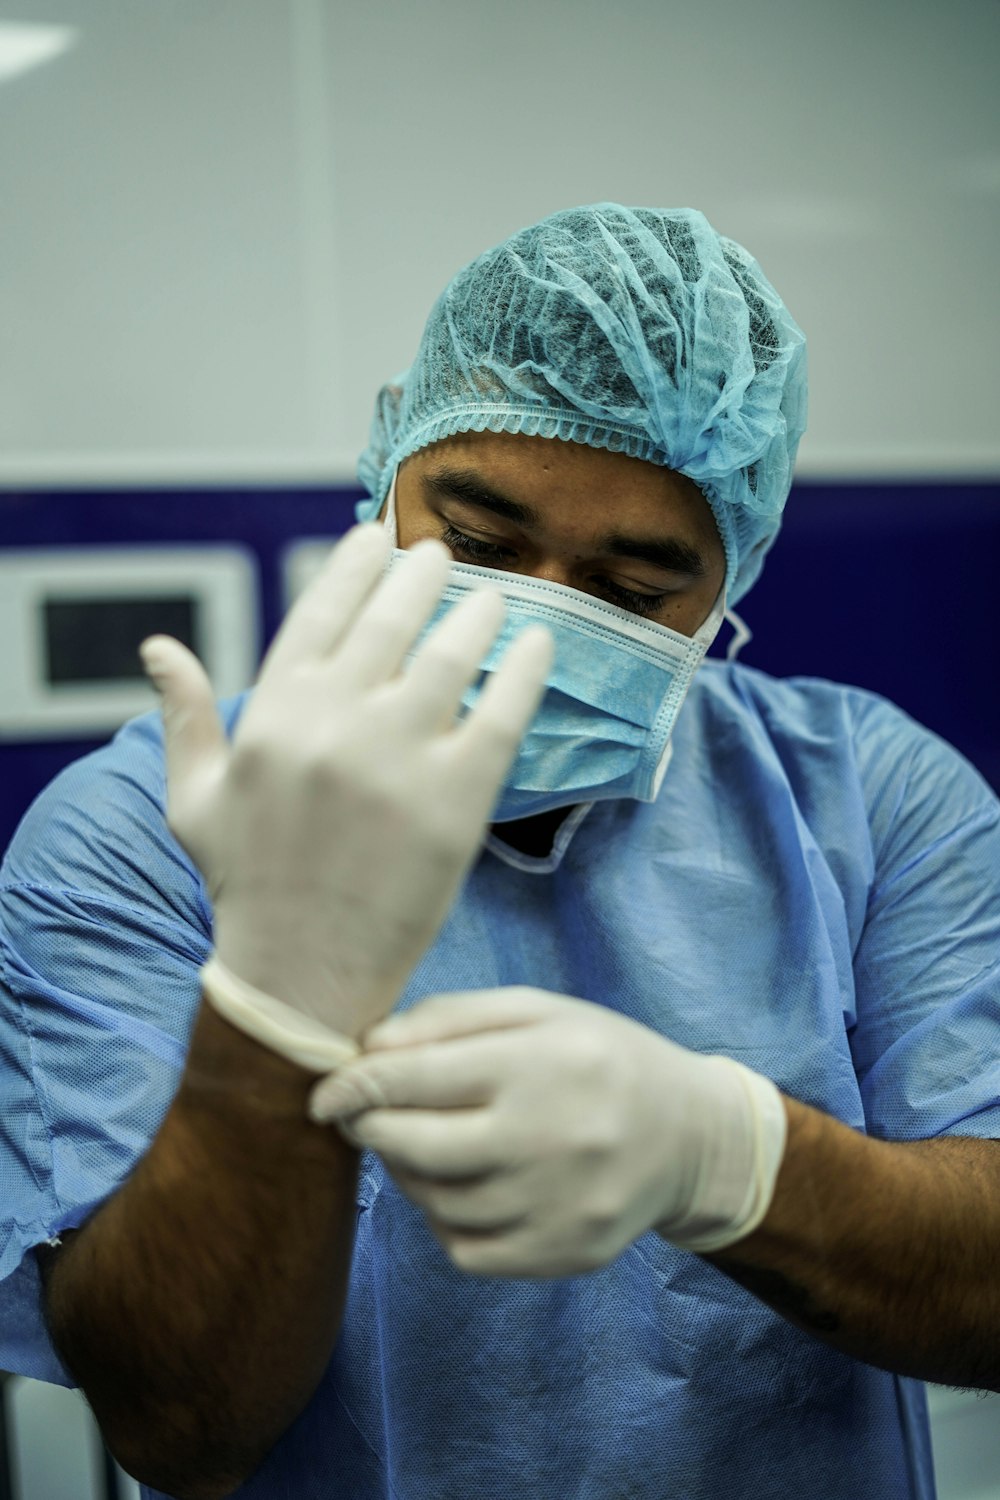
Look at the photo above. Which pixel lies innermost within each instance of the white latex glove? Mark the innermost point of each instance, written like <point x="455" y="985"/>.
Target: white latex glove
<point x="542" y="1134"/>
<point x="334" y="830"/>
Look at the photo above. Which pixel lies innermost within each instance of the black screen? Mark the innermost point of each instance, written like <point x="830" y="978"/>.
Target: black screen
<point x="97" y="640"/>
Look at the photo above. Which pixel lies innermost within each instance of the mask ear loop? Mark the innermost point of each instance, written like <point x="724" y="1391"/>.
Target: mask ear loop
<point x="387" y="515"/>
<point x="741" y="634"/>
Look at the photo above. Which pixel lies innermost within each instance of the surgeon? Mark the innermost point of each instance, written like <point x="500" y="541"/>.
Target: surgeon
<point x="504" y="1054"/>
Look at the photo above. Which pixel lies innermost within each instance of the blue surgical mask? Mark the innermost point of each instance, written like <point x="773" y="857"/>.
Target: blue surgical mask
<point x="614" y="691"/>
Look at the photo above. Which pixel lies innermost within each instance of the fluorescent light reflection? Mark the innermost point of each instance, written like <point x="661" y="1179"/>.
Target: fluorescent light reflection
<point x="23" y="47"/>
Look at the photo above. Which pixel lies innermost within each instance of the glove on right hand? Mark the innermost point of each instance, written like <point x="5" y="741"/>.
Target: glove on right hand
<point x="334" y="831"/>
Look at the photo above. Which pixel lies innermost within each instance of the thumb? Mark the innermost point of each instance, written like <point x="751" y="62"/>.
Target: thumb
<point x="194" y="738"/>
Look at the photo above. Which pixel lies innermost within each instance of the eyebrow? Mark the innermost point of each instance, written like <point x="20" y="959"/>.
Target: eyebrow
<point x="669" y="553"/>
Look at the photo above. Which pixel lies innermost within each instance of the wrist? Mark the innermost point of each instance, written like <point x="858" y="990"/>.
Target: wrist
<point x="237" y="1080"/>
<point x="299" y="1038"/>
<point x="742" y="1129"/>
<point x="326" y="983"/>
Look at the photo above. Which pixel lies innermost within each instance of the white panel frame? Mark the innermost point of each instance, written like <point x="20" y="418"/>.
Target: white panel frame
<point x="301" y="560"/>
<point x="222" y="579"/>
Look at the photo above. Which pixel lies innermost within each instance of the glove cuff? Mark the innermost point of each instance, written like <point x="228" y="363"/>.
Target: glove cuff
<point x="743" y="1163"/>
<point x="300" y="1038"/>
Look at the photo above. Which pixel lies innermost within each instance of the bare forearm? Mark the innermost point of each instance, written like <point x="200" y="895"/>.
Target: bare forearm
<point x="887" y="1251"/>
<point x="199" y="1306"/>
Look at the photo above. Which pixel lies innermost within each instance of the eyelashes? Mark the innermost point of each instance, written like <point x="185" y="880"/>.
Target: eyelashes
<point x="473" y="548"/>
<point x="494" y="556"/>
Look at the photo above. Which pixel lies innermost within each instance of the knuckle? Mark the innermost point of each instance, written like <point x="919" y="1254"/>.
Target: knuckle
<point x="601" y="1216"/>
<point x="251" y="755"/>
<point x="587" y="1055"/>
<point x="598" y="1136"/>
<point x="320" y="769"/>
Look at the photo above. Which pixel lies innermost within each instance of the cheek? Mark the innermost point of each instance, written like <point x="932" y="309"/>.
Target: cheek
<point x="691" y="610"/>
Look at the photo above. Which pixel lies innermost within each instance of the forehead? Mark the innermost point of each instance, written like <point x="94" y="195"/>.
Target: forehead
<point x="571" y="483"/>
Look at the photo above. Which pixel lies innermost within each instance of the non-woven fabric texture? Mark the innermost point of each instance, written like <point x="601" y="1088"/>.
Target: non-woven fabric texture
<point x="638" y="330"/>
<point x="815" y="892"/>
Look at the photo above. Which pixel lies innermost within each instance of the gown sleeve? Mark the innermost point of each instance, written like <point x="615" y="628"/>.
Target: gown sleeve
<point x="926" y="1043"/>
<point x="104" y="924"/>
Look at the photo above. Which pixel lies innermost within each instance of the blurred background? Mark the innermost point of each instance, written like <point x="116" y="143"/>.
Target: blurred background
<point x="223" y="222"/>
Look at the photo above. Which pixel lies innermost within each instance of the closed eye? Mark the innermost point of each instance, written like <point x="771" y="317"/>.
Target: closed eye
<point x="475" y="549"/>
<point x="490" y="554"/>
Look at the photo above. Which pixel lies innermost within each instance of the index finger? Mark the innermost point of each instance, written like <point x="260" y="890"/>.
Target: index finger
<point x="325" y="611"/>
<point x="437" y="1075"/>
<point x="450" y="1143"/>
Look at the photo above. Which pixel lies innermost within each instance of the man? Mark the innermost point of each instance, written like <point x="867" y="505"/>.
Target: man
<point x="677" y="1168"/>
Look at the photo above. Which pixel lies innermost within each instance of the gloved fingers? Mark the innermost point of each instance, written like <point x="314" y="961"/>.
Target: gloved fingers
<point x="486" y="1202"/>
<point x="538" y="1244"/>
<point x="393" y="618"/>
<point x="194" y="739"/>
<point x="514" y="1252"/>
<point x="488" y="738"/>
<point x="438" y="1018"/>
<point x="324" y="613"/>
<point x="454" y="1074"/>
<point x="442" y="1144"/>
<point x="449" y="660"/>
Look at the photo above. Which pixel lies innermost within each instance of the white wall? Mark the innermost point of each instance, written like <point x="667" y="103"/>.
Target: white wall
<point x="223" y="223"/>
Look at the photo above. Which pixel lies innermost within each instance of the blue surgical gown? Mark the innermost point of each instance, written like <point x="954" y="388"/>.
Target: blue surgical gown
<point x="816" y="892"/>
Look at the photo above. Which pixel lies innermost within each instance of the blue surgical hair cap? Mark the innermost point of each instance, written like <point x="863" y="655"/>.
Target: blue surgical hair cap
<point x="638" y="330"/>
